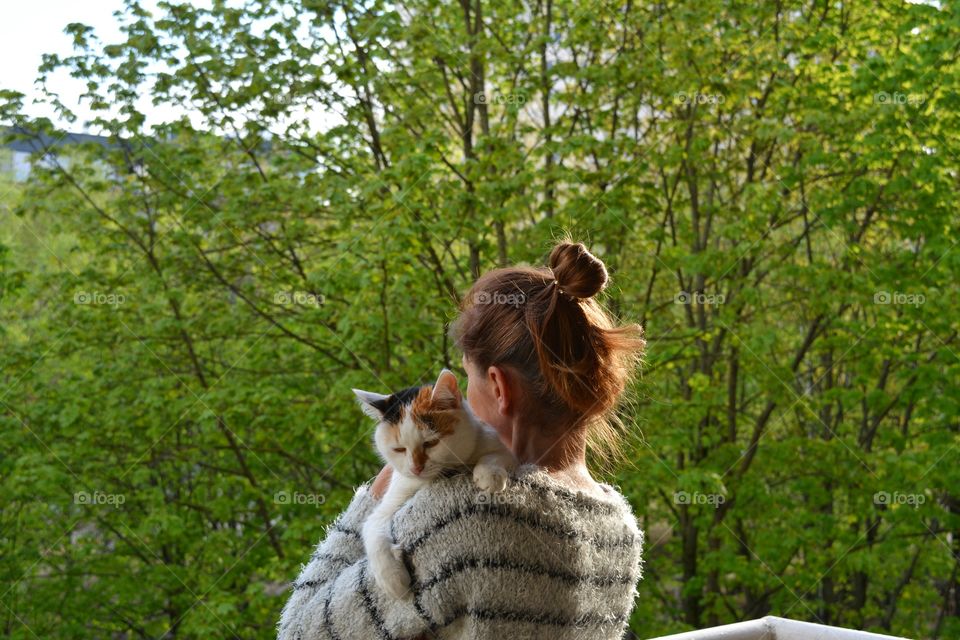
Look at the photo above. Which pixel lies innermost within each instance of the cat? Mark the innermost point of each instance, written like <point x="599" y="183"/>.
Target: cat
<point x="421" y="433"/>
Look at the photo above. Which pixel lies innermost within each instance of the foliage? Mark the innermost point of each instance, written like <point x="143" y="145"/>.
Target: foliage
<point x="184" y="312"/>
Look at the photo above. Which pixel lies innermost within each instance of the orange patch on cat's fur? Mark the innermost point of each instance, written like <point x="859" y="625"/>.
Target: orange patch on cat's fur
<point x="419" y="457"/>
<point x="426" y="414"/>
<point x="421" y="403"/>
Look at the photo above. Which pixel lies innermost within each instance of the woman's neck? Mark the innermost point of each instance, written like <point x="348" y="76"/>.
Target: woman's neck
<point x="549" y="447"/>
<point x="562" y="453"/>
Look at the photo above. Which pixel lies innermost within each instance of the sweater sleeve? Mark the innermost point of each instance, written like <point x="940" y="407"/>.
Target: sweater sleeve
<point x="335" y="597"/>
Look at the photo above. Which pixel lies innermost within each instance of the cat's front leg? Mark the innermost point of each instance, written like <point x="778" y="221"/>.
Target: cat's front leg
<point x="385" y="563"/>
<point x="384" y="556"/>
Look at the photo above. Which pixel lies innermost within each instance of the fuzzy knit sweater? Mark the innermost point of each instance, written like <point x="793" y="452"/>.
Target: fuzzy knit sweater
<point x="538" y="561"/>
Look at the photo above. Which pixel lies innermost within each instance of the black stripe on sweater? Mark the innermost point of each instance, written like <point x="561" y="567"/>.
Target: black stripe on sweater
<point x="583" y="502"/>
<point x="370" y="605"/>
<point x="339" y="528"/>
<point x="506" y="511"/>
<point x="415" y="588"/>
<point x="327" y="622"/>
<point x="500" y="615"/>
<point x="447" y="571"/>
<point x="328" y="557"/>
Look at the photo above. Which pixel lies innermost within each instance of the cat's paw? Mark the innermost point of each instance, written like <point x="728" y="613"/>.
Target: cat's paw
<point x="490" y="477"/>
<point x="395" y="580"/>
<point x="391" y="575"/>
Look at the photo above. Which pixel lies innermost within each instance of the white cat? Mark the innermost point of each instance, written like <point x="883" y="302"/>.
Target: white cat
<point x="422" y="432"/>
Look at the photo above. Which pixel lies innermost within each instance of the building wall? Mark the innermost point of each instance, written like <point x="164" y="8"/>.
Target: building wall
<point x="17" y="164"/>
<point x="14" y="164"/>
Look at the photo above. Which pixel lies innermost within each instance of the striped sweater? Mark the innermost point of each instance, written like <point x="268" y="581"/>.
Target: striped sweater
<point x="534" y="562"/>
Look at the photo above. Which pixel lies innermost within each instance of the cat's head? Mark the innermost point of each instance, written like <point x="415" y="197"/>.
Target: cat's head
<point x="421" y="430"/>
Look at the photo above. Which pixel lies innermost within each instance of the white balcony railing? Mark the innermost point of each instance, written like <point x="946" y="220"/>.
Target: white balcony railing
<point x="773" y="628"/>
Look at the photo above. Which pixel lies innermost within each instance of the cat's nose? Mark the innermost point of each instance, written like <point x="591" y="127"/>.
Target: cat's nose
<point x="417" y="470"/>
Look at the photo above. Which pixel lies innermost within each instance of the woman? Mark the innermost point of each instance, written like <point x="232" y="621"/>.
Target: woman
<point x="557" y="555"/>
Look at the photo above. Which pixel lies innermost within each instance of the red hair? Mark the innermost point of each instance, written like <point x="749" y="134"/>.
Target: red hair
<point x="573" y="359"/>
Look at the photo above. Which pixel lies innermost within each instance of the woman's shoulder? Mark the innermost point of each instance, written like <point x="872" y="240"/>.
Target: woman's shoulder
<point x="532" y="496"/>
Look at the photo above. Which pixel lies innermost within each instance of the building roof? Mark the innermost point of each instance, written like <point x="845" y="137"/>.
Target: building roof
<point x="39" y="142"/>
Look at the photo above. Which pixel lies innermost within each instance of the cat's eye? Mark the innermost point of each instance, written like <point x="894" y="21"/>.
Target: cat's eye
<point x="427" y="445"/>
<point x="399" y="449"/>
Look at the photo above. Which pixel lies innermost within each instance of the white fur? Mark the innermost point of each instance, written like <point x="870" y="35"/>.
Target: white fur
<point x="473" y="443"/>
<point x="385" y="560"/>
<point x="367" y="398"/>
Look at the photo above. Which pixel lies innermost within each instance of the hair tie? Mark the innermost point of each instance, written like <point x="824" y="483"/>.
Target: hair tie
<point x="556" y="283"/>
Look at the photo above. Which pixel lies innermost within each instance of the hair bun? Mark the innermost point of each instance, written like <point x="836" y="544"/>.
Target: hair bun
<point x="578" y="272"/>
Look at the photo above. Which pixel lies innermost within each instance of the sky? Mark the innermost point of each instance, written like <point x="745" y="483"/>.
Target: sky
<point x="33" y="27"/>
<point x="30" y="28"/>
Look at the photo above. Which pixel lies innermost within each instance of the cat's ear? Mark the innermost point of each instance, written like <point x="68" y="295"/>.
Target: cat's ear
<point x="371" y="403"/>
<point x="446" y="393"/>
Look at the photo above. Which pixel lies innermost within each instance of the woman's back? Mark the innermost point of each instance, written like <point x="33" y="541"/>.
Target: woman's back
<point x="537" y="561"/>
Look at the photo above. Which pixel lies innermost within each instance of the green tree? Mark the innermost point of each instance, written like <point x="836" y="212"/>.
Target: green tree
<point x="771" y="185"/>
